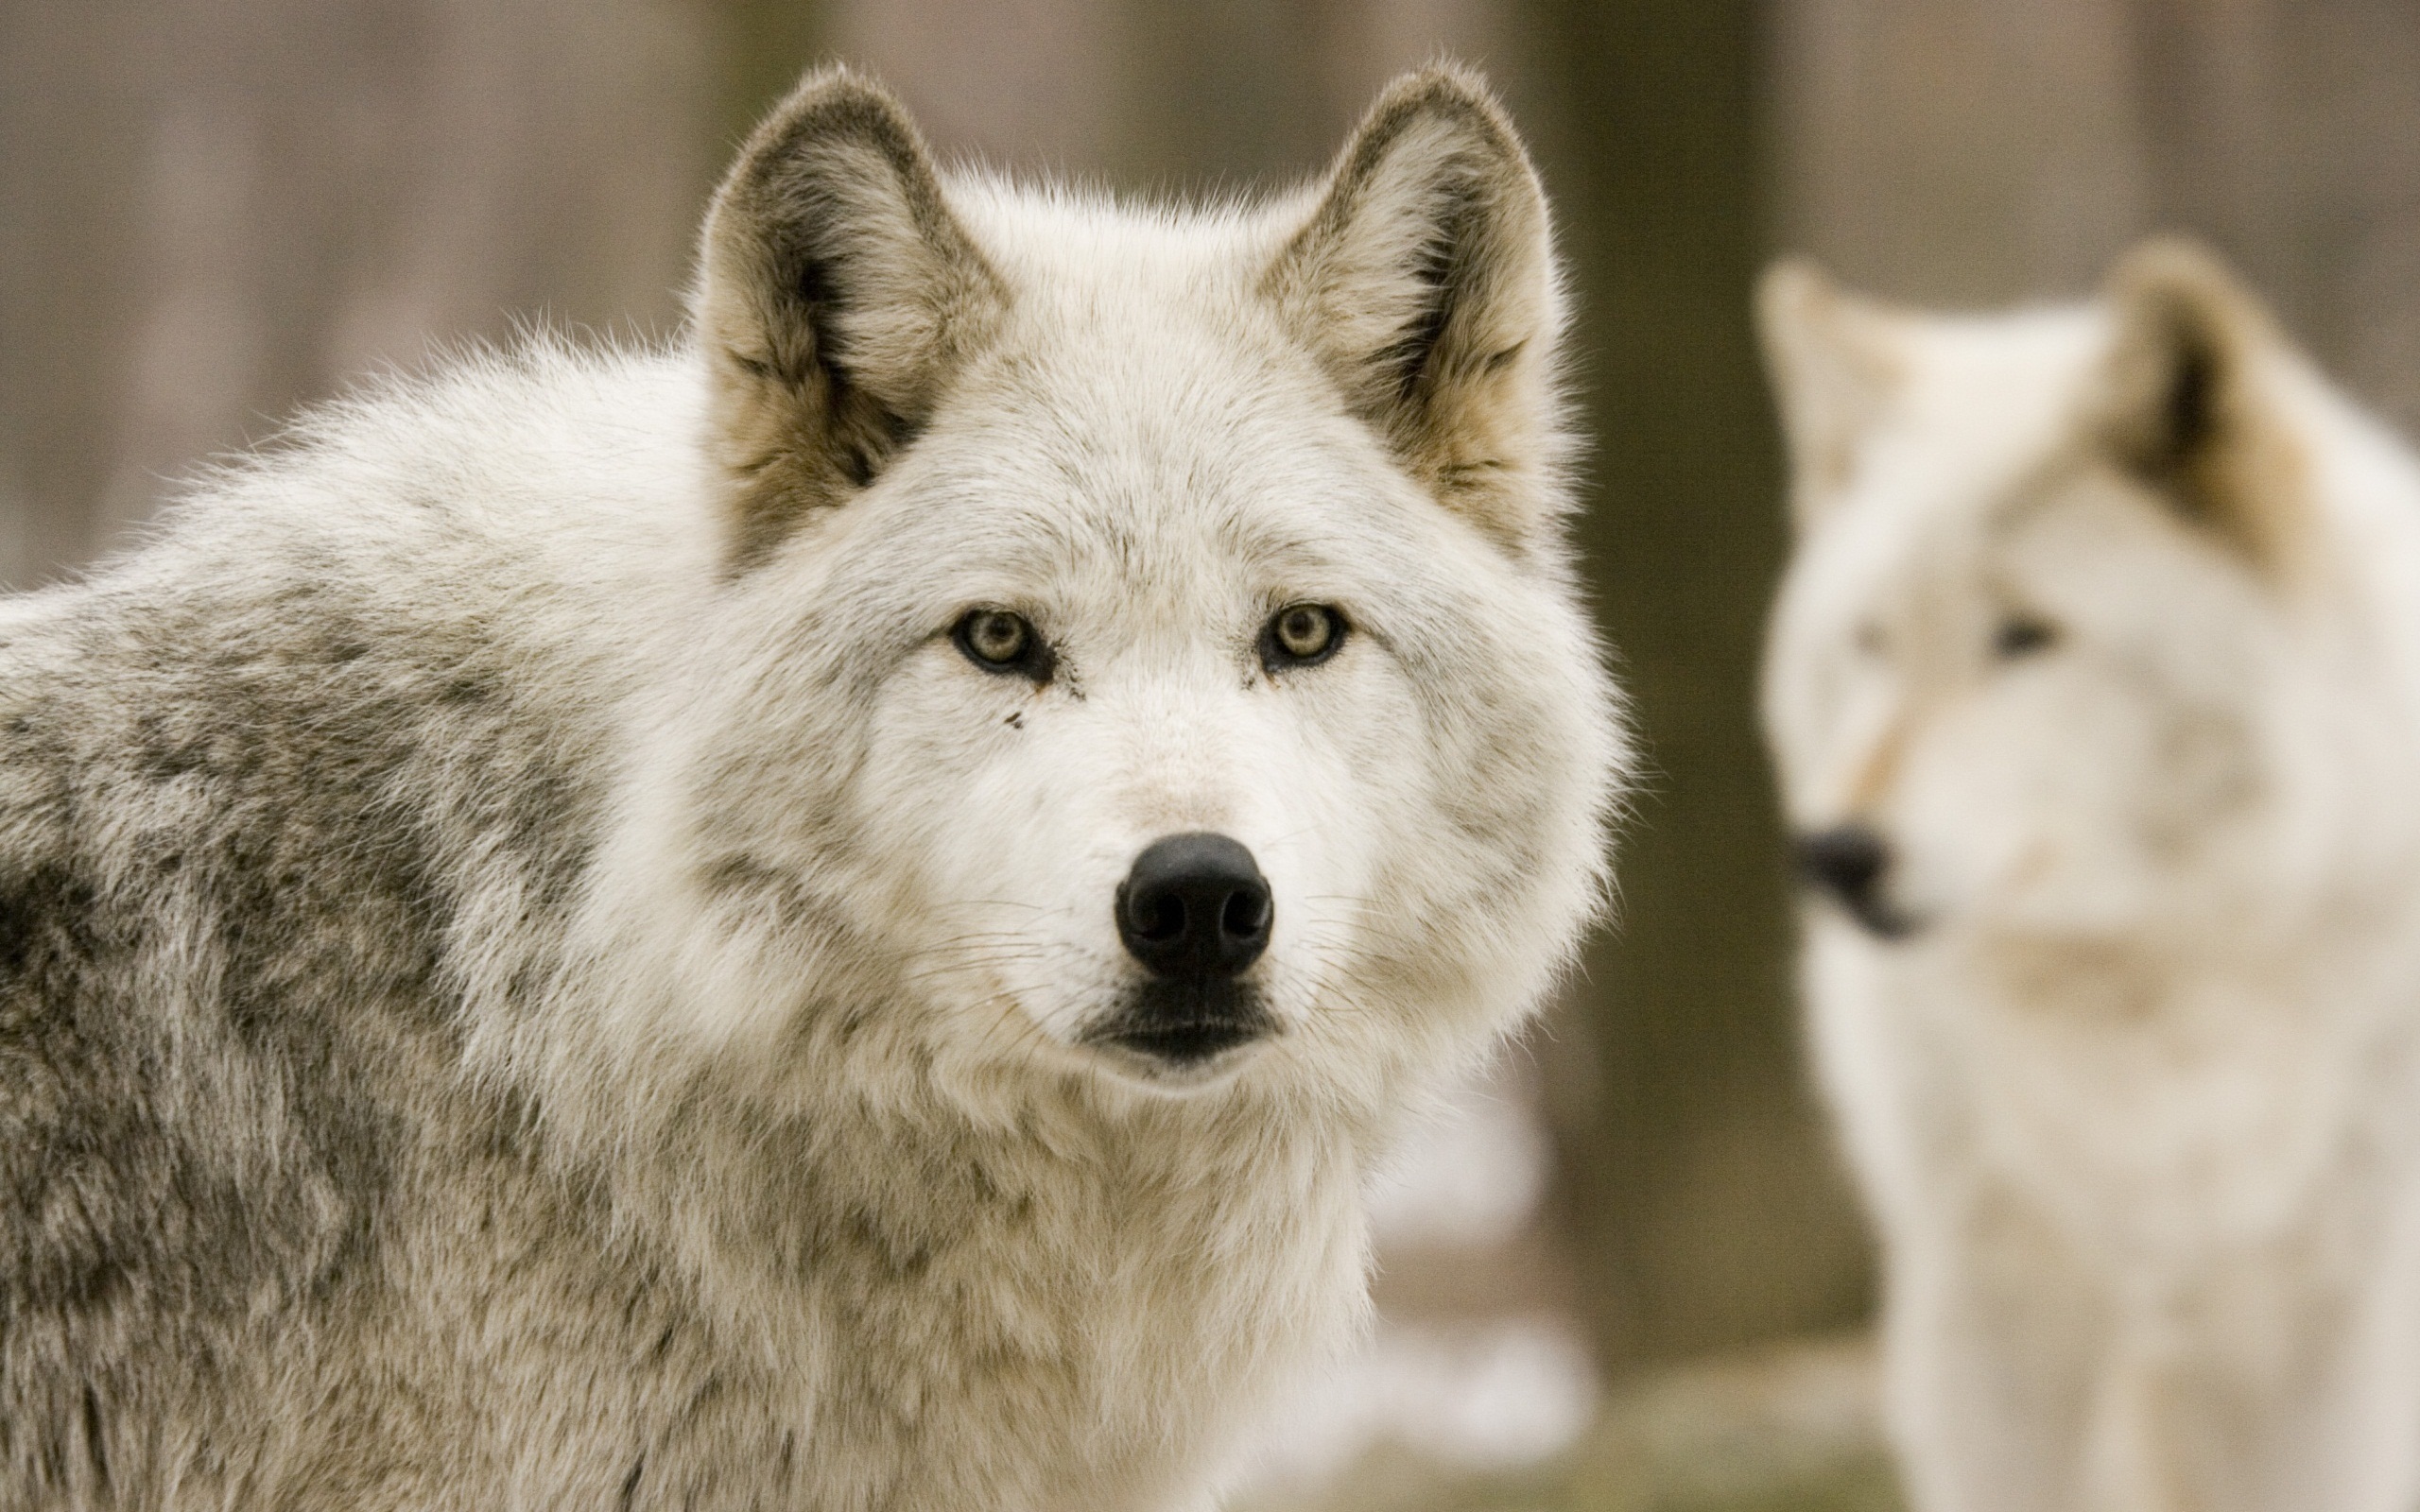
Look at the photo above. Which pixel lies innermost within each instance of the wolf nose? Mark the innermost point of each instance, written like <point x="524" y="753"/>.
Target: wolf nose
<point x="1194" y="906"/>
<point x="1847" y="859"/>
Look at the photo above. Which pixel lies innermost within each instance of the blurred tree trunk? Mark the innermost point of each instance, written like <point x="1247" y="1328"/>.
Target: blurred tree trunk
<point x="1698" y="1176"/>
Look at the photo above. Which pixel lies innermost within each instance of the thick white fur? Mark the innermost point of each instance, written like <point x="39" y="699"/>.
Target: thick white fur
<point x="2136" y="1104"/>
<point x="751" y="1152"/>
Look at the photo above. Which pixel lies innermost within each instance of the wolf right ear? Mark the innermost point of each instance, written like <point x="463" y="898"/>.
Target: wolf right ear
<point x="835" y="294"/>
<point x="2182" y="404"/>
<point x="1835" y="363"/>
<point x="1426" y="279"/>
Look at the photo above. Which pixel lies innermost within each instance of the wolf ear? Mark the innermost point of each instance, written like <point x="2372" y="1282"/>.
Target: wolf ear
<point x="2182" y="406"/>
<point x="836" y="295"/>
<point x="1427" y="283"/>
<point x="1835" y="361"/>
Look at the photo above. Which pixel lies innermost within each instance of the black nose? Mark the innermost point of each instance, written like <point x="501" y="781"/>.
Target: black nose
<point x="1850" y="861"/>
<point x="1194" y="906"/>
<point x="1847" y="862"/>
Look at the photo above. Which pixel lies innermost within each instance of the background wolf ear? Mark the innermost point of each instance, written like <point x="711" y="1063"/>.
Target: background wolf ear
<point x="835" y="294"/>
<point x="2182" y="406"/>
<point x="1426" y="279"/>
<point x="1834" y="362"/>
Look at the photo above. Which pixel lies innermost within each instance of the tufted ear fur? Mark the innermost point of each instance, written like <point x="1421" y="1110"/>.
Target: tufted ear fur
<point x="1425" y="280"/>
<point x="2181" y="404"/>
<point x="836" y="295"/>
<point x="1834" y="360"/>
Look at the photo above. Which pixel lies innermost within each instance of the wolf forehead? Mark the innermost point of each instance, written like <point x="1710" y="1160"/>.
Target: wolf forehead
<point x="1137" y="385"/>
<point x="1149" y="401"/>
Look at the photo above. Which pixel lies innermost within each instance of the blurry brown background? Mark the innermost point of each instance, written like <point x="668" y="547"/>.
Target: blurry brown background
<point x="212" y="210"/>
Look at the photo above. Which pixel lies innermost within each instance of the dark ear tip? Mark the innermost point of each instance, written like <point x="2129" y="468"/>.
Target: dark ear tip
<point x="2185" y="329"/>
<point x="1443" y="84"/>
<point x="834" y="102"/>
<point x="2174" y="289"/>
<point x="1443" y="91"/>
<point x="834" y="88"/>
<point x="2168" y="257"/>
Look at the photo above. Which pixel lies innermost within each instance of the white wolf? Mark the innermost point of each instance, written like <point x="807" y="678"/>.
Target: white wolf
<point x="2095" y="687"/>
<point x="827" y="918"/>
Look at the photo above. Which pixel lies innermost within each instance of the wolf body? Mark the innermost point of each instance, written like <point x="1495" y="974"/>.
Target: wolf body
<point x="2095" y="690"/>
<point x="575" y="935"/>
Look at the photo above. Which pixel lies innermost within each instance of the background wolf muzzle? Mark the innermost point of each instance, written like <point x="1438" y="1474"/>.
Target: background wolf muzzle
<point x="1850" y="863"/>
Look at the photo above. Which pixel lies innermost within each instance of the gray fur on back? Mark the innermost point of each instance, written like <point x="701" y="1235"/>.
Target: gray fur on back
<point x="254" y="778"/>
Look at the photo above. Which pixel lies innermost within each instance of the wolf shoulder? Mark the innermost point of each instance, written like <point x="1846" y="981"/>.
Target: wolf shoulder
<point x="253" y="773"/>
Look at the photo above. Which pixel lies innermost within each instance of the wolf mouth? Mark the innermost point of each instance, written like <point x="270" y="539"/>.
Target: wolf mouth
<point x="1185" y="1024"/>
<point x="1186" y="1044"/>
<point x="1883" y="921"/>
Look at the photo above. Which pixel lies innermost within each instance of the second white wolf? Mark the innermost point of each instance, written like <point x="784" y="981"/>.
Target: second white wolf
<point x="2095" y="687"/>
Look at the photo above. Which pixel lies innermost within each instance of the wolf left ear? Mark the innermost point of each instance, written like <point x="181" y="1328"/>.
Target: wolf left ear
<point x="2181" y="404"/>
<point x="1835" y="363"/>
<point x="836" y="295"/>
<point x="1425" y="280"/>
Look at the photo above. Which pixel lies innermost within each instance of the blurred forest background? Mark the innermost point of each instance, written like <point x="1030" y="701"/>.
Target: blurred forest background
<point x="212" y="210"/>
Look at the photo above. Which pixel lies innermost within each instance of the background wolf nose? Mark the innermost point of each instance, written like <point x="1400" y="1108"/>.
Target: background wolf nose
<point x="1194" y="905"/>
<point x="1848" y="860"/>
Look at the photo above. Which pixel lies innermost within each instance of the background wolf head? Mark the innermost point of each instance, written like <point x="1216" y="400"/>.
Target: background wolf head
<point x="2075" y="645"/>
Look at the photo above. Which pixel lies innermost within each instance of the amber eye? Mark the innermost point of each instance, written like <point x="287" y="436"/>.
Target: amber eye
<point x="2021" y="635"/>
<point x="1301" y="635"/>
<point x="998" y="640"/>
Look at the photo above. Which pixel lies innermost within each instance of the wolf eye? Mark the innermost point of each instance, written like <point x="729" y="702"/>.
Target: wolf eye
<point x="2021" y="635"/>
<point x="998" y="640"/>
<point x="1301" y="635"/>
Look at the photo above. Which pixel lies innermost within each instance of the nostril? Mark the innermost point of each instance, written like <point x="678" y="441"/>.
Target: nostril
<point x="1245" y="914"/>
<point x="1160" y="919"/>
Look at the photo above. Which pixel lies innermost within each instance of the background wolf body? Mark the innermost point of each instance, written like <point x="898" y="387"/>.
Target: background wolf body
<point x="2096" y="690"/>
<point x="533" y="972"/>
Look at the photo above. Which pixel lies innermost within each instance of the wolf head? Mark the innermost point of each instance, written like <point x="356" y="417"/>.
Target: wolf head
<point x="2069" y="646"/>
<point x="1144" y="645"/>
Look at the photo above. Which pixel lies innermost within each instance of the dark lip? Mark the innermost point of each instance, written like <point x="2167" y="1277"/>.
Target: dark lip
<point x="1186" y="1025"/>
<point x="1878" y="919"/>
<point x="1185" y="1046"/>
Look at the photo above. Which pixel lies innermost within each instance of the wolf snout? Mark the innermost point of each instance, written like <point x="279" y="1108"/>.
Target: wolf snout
<point x="1195" y="905"/>
<point x="1195" y="911"/>
<point x="1851" y="862"/>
